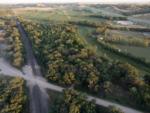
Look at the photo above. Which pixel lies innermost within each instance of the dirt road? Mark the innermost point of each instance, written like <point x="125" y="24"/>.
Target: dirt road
<point x="38" y="98"/>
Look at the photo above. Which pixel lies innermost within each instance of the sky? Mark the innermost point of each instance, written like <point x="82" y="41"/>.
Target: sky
<point x="70" y="1"/>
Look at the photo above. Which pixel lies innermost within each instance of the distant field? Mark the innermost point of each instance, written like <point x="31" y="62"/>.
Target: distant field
<point x="43" y="15"/>
<point x="143" y="16"/>
<point x="56" y="15"/>
<point x="131" y="34"/>
<point x="5" y="12"/>
<point x="33" y="8"/>
<point x="136" y="51"/>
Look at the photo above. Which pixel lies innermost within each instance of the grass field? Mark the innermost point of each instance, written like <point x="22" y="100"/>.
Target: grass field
<point x="136" y="51"/>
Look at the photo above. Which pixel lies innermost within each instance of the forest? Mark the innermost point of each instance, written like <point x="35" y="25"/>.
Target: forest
<point x="66" y="60"/>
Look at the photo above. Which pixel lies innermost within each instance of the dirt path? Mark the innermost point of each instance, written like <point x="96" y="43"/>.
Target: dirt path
<point x="38" y="98"/>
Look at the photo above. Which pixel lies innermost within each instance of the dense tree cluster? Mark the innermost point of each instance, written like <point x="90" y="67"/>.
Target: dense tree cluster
<point x="75" y="102"/>
<point x="12" y="95"/>
<point x="66" y="59"/>
<point x="64" y="56"/>
<point x="109" y="17"/>
<point x="16" y="50"/>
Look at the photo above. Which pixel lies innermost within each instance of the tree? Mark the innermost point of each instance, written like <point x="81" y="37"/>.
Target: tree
<point x="74" y="102"/>
<point x="93" y="81"/>
<point x="69" y="78"/>
<point x="131" y="75"/>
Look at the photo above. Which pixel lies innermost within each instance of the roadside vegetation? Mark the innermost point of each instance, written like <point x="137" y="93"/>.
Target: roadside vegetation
<point x="67" y="60"/>
<point x="15" y="49"/>
<point x="13" y="97"/>
<point x="72" y="101"/>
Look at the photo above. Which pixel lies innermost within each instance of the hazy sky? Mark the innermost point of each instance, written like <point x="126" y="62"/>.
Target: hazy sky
<point x="62" y="1"/>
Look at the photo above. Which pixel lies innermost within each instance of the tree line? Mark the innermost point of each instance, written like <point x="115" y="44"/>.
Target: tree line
<point x="15" y="49"/>
<point x="113" y="27"/>
<point x="108" y="17"/>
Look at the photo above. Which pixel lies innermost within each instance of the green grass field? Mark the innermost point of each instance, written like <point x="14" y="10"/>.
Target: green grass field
<point x="136" y="51"/>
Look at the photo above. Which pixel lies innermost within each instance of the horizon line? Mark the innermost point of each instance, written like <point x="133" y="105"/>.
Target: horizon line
<point x="77" y="3"/>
